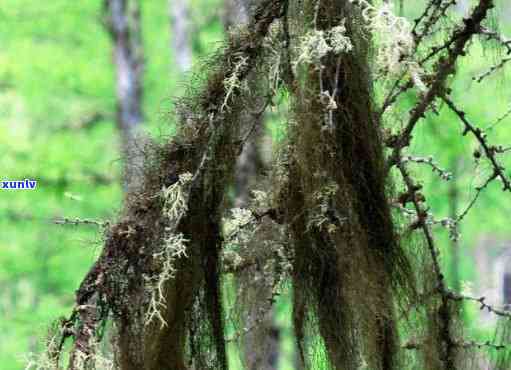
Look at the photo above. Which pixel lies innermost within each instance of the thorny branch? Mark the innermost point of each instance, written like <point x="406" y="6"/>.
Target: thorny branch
<point x="421" y="223"/>
<point x="493" y="69"/>
<point x="433" y="12"/>
<point x="503" y="312"/>
<point x="488" y="149"/>
<point x="479" y="190"/>
<point x="493" y="35"/>
<point x="78" y="221"/>
<point x="502" y="41"/>
<point x="499" y="120"/>
<point x="444" y="175"/>
<point x="444" y="69"/>
<point x="455" y="47"/>
<point x="443" y="311"/>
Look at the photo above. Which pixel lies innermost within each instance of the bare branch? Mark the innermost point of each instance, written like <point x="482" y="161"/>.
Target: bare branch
<point x="489" y="150"/>
<point x="444" y="69"/>
<point x="503" y="312"/>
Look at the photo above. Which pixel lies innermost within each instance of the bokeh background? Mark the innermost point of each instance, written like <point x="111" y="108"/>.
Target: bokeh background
<point x="58" y="126"/>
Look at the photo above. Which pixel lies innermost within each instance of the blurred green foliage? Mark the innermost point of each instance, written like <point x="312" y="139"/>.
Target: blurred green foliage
<point x="57" y="110"/>
<point x="57" y="125"/>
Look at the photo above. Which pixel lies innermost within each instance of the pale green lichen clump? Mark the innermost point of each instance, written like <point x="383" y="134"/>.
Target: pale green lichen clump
<point x="175" y="201"/>
<point x="44" y="361"/>
<point x="317" y="43"/>
<point x="233" y="82"/>
<point x="173" y="247"/>
<point x="235" y="226"/>
<point x="394" y="39"/>
<point x="319" y="216"/>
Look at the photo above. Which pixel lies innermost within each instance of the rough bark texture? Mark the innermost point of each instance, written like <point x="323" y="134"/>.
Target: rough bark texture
<point x="123" y="24"/>
<point x="250" y="164"/>
<point x="261" y="343"/>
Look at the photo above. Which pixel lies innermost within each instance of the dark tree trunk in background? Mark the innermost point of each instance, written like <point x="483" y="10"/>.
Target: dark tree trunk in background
<point x="123" y="24"/>
<point x="261" y="344"/>
<point x="249" y="167"/>
<point x="236" y="12"/>
<point x="250" y="163"/>
<point x="180" y="33"/>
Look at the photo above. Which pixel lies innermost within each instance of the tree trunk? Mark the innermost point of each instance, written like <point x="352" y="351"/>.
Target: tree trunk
<point x="236" y="12"/>
<point x="261" y="344"/>
<point x="180" y="33"/>
<point x="123" y="24"/>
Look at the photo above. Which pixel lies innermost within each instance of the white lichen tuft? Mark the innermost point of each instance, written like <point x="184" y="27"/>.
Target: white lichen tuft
<point x="261" y="199"/>
<point x="313" y="47"/>
<point x="39" y="362"/>
<point x="84" y="361"/>
<point x="273" y="47"/>
<point x="339" y="41"/>
<point x="317" y="43"/>
<point x="174" y="247"/>
<point x="284" y="257"/>
<point x="96" y="360"/>
<point x="467" y="288"/>
<point x="174" y="197"/>
<point x="233" y="82"/>
<point x="234" y="259"/>
<point x="320" y="217"/>
<point x="394" y="40"/>
<point x="238" y="227"/>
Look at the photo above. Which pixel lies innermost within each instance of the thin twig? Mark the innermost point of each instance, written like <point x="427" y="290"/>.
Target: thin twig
<point x="503" y="312"/>
<point x="444" y="175"/>
<point x="77" y="221"/>
<point x="489" y="150"/>
<point x="444" y="70"/>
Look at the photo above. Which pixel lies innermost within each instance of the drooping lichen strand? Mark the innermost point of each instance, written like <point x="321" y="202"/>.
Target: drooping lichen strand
<point x="348" y="262"/>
